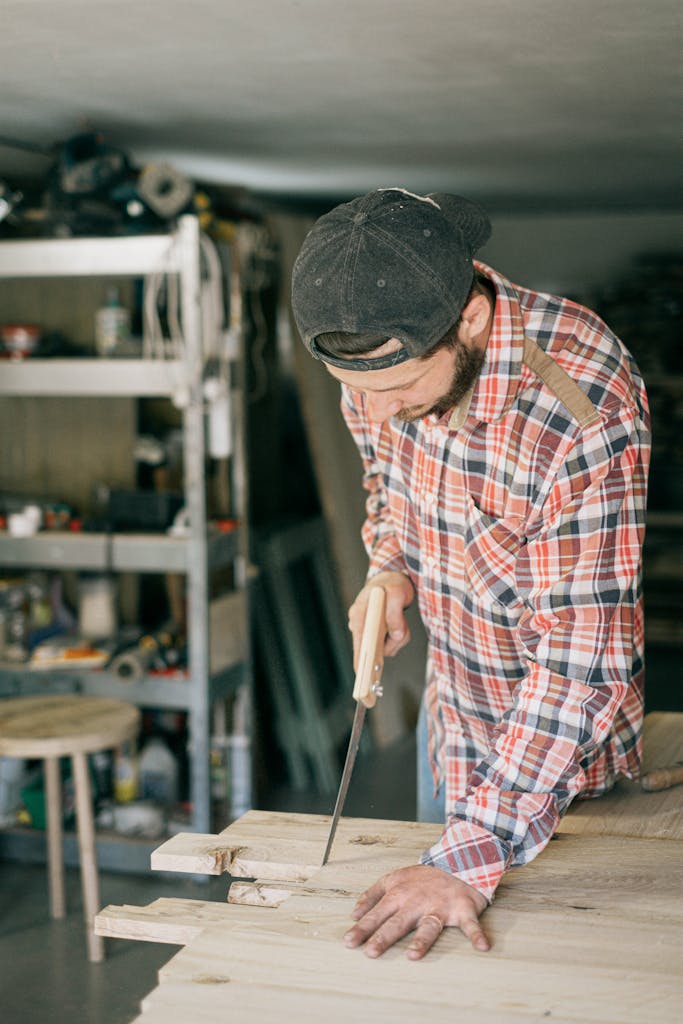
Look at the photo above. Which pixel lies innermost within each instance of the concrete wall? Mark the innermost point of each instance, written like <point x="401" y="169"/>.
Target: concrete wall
<point x="574" y="255"/>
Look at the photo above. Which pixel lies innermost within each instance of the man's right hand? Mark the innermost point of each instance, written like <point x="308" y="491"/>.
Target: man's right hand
<point x="399" y="591"/>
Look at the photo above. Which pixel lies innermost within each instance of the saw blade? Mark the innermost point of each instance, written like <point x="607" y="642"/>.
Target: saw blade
<point x="354" y="743"/>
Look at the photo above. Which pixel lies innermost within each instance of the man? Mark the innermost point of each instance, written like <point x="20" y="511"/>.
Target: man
<point x="505" y="442"/>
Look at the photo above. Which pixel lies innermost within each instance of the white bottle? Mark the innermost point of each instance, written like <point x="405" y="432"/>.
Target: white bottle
<point x="158" y="773"/>
<point x="112" y="325"/>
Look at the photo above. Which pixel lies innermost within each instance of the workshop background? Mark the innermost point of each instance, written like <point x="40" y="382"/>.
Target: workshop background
<point x="122" y="120"/>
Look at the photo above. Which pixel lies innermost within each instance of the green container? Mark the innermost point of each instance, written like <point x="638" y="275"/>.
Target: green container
<point x="33" y="798"/>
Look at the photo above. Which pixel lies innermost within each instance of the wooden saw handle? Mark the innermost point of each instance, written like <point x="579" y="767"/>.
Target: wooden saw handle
<point x="662" y="778"/>
<point x="367" y="687"/>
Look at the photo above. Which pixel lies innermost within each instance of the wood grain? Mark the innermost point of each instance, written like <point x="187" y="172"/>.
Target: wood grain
<point x="228" y="1002"/>
<point x="290" y="847"/>
<point x="627" y="810"/>
<point x="60" y="724"/>
<point x="588" y="933"/>
<point x="298" y="949"/>
<point x="174" y="921"/>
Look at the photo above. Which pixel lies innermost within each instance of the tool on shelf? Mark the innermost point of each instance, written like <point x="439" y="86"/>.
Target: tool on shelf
<point x="366" y="690"/>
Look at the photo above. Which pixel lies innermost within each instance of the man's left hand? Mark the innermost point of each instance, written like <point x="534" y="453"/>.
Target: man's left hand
<point x="419" y="898"/>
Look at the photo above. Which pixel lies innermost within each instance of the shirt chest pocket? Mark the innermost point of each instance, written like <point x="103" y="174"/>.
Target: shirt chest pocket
<point x="490" y="557"/>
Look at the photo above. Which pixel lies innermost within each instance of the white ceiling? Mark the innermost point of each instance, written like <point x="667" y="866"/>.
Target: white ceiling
<point x="521" y="103"/>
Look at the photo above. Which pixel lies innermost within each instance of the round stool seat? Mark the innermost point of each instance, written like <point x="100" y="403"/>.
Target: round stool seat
<point x="68" y="725"/>
<point x="63" y="724"/>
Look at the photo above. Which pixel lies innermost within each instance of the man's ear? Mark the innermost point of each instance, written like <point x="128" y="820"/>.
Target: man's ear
<point x="474" y="318"/>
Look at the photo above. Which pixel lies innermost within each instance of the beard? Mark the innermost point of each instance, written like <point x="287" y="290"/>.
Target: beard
<point x="467" y="366"/>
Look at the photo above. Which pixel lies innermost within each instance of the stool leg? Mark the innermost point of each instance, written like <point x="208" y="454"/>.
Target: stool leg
<point x="55" y="850"/>
<point x="86" y="846"/>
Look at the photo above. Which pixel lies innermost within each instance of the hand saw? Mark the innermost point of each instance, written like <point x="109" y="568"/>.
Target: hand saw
<point x="366" y="690"/>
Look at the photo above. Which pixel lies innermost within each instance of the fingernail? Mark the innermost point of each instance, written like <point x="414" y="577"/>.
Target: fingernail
<point x="397" y="634"/>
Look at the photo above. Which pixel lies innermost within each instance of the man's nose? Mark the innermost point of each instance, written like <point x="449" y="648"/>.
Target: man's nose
<point x="381" y="406"/>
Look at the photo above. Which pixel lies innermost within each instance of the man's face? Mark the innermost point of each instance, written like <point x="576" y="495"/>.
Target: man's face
<point x="417" y="387"/>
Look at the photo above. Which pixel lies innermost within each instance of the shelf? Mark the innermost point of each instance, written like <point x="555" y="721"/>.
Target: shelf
<point x="132" y="256"/>
<point x="119" y="552"/>
<point x="176" y="692"/>
<point x="196" y="555"/>
<point x="85" y="378"/>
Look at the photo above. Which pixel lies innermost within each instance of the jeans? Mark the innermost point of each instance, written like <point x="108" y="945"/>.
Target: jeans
<point x="429" y="807"/>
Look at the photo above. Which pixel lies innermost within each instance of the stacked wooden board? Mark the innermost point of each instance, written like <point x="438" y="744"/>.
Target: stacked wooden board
<point x="591" y="931"/>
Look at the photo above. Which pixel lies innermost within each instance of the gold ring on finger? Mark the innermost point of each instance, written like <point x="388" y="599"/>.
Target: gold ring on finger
<point x="433" y="917"/>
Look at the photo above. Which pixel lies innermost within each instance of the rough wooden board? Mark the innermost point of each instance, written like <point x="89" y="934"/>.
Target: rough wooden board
<point x="573" y="874"/>
<point x="223" y="1002"/>
<point x="589" y="932"/>
<point x="308" y="956"/>
<point x="290" y="847"/>
<point x="550" y="901"/>
<point x="627" y="810"/>
<point x="518" y="934"/>
<point x="637" y="878"/>
<point x="175" y="921"/>
<point x="262" y="893"/>
<point x="315" y="827"/>
<point x="197" y="852"/>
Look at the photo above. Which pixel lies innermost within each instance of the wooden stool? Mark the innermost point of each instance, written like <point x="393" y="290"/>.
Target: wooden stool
<point x="50" y="727"/>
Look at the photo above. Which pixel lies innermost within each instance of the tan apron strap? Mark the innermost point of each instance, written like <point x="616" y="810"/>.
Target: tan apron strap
<point x="561" y="384"/>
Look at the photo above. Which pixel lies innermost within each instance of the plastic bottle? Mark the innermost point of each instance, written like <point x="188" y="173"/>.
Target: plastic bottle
<point x="158" y="773"/>
<point x="126" y="774"/>
<point x="112" y="324"/>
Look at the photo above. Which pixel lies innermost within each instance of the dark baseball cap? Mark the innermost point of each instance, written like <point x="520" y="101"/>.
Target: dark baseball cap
<point x="390" y="263"/>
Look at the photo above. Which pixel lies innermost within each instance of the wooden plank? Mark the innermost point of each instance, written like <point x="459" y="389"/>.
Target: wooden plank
<point x="572" y="876"/>
<point x="627" y="810"/>
<point x="176" y="921"/>
<point x="290" y="847"/>
<point x="263" y="893"/>
<point x="518" y="933"/>
<point x="192" y="851"/>
<point x="306" y="954"/>
<point x="230" y="1002"/>
<point x="589" y="932"/>
<point x="601" y="873"/>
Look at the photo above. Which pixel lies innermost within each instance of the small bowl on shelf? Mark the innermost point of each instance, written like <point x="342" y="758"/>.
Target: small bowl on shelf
<point x="19" y="340"/>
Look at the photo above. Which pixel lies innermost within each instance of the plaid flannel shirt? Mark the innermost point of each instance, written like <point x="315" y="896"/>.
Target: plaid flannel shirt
<point x="519" y="518"/>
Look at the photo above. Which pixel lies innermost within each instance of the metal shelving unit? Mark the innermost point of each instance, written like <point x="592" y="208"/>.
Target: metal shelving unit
<point x="195" y="555"/>
<point x="120" y="552"/>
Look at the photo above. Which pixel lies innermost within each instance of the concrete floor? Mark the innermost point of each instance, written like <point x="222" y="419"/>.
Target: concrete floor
<point x="44" y="971"/>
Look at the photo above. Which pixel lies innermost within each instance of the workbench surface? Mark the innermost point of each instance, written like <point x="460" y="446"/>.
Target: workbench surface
<point x="591" y="931"/>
